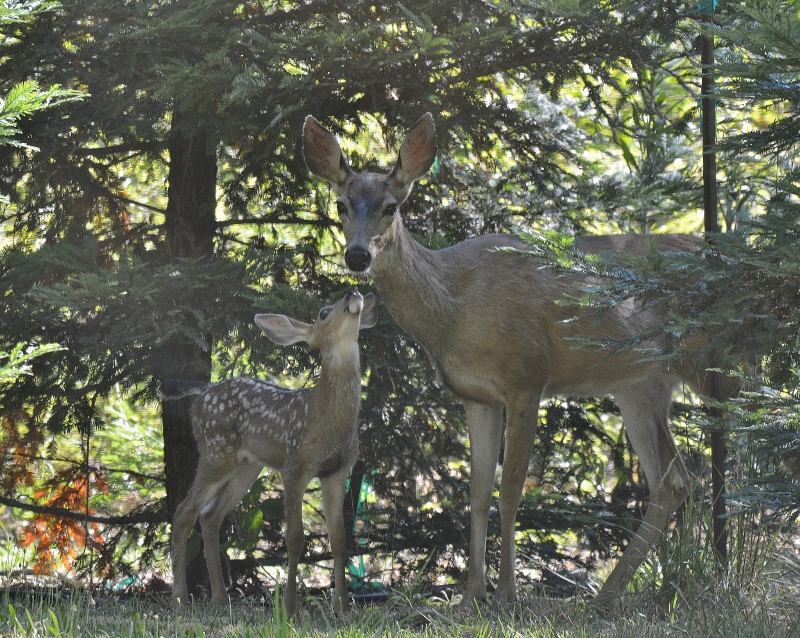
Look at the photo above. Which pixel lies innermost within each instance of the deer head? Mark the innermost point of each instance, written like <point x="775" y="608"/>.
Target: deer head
<point x="336" y="325"/>
<point x="368" y="203"/>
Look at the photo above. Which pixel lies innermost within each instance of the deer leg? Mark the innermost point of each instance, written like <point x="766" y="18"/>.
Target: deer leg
<point x="485" y="424"/>
<point x="211" y="517"/>
<point x="202" y="491"/>
<point x="645" y="411"/>
<point x="332" y="507"/>
<point x="182" y="524"/>
<point x="521" y="421"/>
<point x="293" y="490"/>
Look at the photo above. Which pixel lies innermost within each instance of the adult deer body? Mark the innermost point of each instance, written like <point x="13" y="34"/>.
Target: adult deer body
<point x="242" y="425"/>
<point x="489" y="321"/>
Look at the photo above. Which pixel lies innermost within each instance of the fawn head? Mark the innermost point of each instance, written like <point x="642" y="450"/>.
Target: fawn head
<point x="336" y="326"/>
<point x="367" y="203"/>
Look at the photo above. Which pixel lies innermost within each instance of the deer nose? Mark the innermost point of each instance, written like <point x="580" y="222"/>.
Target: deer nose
<point x="354" y="302"/>
<point x="357" y="259"/>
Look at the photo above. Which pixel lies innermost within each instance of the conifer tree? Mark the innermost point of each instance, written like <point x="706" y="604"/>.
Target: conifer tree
<point x="742" y="293"/>
<point x="172" y="201"/>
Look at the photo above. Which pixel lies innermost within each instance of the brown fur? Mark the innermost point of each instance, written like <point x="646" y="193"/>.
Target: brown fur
<point x="243" y="425"/>
<point x="490" y="323"/>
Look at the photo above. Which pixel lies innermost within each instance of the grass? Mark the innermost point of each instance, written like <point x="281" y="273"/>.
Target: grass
<point x="679" y="593"/>
<point x="764" y="611"/>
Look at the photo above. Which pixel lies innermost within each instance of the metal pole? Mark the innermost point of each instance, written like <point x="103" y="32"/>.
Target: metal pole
<point x="709" y="124"/>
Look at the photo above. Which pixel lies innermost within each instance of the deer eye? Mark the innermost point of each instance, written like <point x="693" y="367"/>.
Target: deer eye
<point x="390" y="210"/>
<point x="325" y="313"/>
<point x="341" y="209"/>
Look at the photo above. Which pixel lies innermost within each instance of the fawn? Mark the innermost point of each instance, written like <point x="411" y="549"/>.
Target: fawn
<point x="243" y="425"/>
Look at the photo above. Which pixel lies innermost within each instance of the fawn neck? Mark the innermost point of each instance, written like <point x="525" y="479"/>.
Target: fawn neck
<point x="337" y="392"/>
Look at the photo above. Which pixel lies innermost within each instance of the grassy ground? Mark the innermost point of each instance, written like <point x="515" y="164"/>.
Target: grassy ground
<point x="771" y="610"/>
<point x="679" y="593"/>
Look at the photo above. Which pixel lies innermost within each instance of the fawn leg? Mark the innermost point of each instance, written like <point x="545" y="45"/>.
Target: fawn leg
<point x="211" y="518"/>
<point x="293" y="490"/>
<point x="332" y="507"/>
<point x="203" y="490"/>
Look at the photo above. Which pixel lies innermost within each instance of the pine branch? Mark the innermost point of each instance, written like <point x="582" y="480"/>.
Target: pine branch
<point x="321" y="223"/>
<point x="133" y="149"/>
<point x="159" y="516"/>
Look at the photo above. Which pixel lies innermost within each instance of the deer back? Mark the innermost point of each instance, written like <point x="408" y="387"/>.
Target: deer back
<point x="248" y="420"/>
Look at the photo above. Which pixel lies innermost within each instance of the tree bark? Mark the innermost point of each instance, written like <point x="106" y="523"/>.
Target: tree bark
<point x="711" y="226"/>
<point x="190" y="227"/>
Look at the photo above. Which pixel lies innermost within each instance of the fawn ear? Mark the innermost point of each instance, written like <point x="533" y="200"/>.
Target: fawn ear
<point x="369" y="312"/>
<point x="282" y="329"/>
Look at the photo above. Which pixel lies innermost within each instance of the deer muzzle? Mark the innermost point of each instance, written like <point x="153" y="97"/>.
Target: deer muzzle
<point x="357" y="259"/>
<point x="355" y="302"/>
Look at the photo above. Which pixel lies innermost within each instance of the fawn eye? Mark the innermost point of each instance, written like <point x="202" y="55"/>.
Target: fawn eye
<point x="341" y="209"/>
<point x="325" y="313"/>
<point x="390" y="210"/>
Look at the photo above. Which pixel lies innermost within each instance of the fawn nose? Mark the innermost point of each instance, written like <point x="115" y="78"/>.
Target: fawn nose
<point x="354" y="302"/>
<point x="357" y="259"/>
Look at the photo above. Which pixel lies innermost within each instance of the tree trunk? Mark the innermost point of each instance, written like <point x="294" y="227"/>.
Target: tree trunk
<point x="190" y="228"/>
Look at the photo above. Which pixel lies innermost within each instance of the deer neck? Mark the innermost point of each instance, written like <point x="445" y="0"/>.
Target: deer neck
<point x="412" y="281"/>
<point x="338" y="389"/>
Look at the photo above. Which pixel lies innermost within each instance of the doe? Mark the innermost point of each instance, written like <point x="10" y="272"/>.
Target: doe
<point x="491" y="323"/>
<point x="243" y="425"/>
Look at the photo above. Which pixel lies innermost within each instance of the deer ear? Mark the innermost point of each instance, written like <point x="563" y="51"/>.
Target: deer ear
<point x="282" y="329"/>
<point x="322" y="154"/>
<point x="369" y="312"/>
<point x="417" y="152"/>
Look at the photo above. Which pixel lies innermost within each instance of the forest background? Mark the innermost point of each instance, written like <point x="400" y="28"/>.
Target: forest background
<point x="160" y="200"/>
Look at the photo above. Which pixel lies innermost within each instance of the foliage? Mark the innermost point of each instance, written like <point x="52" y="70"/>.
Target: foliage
<point x="758" y="64"/>
<point x="557" y="115"/>
<point x="24" y="99"/>
<point x="58" y="539"/>
<point x="740" y="292"/>
<point x="27" y="97"/>
<point x="16" y="362"/>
